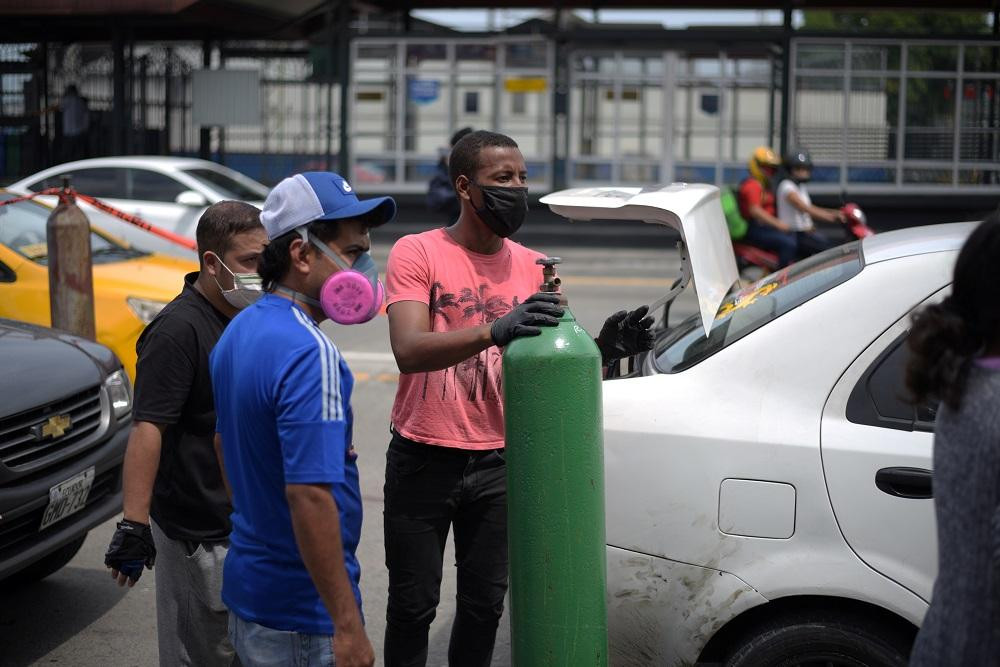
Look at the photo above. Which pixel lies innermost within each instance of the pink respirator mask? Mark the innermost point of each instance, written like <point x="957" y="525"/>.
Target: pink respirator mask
<point x="352" y="295"/>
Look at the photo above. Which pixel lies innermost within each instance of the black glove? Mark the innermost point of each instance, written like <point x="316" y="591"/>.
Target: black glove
<point x="625" y="334"/>
<point x="540" y="309"/>
<point x="131" y="547"/>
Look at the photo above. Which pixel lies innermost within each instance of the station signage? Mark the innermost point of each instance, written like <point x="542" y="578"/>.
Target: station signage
<point x="423" y="91"/>
<point x="526" y="84"/>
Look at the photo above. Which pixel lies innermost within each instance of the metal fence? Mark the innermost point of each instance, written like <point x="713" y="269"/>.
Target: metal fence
<point x="410" y="95"/>
<point x="880" y="116"/>
<point x="651" y="117"/>
<point x="898" y="116"/>
<point x="295" y="132"/>
<point x="22" y="96"/>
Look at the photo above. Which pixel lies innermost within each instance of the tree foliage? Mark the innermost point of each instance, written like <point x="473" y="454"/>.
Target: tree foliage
<point x="899" y="22"/>
<point x="930" y="102"/>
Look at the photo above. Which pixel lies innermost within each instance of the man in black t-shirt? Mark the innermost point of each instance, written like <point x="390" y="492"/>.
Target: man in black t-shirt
<point x="176" y="509"/>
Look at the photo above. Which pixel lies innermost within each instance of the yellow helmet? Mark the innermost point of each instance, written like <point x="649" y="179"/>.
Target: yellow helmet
<point x="761" y="157"/>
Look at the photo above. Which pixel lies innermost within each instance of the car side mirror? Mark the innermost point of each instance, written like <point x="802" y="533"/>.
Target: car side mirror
<point x="192" y="199"/>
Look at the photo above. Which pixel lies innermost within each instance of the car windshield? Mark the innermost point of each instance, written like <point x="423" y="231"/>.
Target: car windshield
<point x="227" y="186"/>
<point x="750" y="308"/>
<point x="22" y="229"/>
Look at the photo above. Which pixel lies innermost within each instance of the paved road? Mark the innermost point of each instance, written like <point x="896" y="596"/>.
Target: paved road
<point x="78" y="617"/>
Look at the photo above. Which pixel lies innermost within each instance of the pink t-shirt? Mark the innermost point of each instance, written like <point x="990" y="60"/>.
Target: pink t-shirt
<point x="461" y="406"/>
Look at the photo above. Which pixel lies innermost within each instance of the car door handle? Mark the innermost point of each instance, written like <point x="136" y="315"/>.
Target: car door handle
<point x="905" y="482"/>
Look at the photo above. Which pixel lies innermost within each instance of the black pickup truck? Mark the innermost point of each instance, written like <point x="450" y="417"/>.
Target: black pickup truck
<point x="65" y="411"/>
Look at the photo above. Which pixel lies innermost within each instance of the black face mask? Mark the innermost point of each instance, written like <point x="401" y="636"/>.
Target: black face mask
<point x="801" y="180"/>
<point x="504" y="208"/>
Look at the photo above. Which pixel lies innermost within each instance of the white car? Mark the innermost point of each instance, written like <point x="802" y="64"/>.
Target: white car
<point x="168" y="192"/>
<point x="768" y="485"/>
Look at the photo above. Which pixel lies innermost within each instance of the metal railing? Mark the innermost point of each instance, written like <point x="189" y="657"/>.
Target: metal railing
<point x="887" y="116"/>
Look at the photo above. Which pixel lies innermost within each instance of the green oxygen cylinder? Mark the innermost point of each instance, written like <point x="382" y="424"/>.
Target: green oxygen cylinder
<point x="555" y="494"/>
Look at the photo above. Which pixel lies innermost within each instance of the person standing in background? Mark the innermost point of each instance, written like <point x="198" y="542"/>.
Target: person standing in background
<point x="441" y="197"/>
<point x="75" y="125"/>
<point x="955" y="349"/>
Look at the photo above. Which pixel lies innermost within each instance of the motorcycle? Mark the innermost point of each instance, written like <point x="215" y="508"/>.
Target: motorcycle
<point x="857" y="221"/>
<point x="755" y="263"/>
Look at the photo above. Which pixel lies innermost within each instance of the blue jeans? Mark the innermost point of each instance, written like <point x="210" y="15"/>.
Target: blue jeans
<point x="811" y="243"/>
<point x="785" y="244"/>
<point x="259" y="646"/>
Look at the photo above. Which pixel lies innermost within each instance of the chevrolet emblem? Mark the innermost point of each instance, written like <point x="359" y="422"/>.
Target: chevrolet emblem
<point x="55" y="427"/>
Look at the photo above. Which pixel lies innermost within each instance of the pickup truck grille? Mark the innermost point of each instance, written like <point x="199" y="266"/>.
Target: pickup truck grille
<point x="16" y="531"/>
<point x="31" y="436"/>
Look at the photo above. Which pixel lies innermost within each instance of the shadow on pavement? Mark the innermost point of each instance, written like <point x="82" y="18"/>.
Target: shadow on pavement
<point x="38" y="617"/>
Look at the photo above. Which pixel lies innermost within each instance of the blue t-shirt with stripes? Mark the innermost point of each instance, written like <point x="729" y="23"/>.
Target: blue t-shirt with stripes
<point x="282" y="399"/>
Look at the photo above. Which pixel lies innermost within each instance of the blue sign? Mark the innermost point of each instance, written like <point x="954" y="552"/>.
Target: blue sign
<point x="423" y="91"/>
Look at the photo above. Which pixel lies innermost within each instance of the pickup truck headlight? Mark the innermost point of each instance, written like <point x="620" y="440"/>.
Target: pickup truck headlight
<point x="145" y="309"/>
<point x="119" y="393"/>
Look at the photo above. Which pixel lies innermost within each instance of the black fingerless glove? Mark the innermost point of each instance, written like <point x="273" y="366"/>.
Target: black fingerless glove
<point x="131" y="547"/>
<point x="539" y="310"/>
<point x="625" y="334"/>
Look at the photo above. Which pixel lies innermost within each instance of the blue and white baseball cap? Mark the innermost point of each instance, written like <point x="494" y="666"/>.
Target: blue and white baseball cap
<point x="319" y="195"/>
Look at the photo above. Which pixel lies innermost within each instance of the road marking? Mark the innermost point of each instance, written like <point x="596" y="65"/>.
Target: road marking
<point x="384" y="378"/>
<point x="377" y="357"/>
<point x="372" y="359"/>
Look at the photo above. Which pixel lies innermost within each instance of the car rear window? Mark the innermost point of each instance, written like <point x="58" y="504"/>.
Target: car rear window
<point x="148" y="185"/>
<point x="750" y="308"/>
<point x="100" y="182"/>
<point x="227" y="186"/>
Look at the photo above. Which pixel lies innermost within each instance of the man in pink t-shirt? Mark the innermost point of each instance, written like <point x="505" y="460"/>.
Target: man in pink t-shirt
<point x="456" y="296"/>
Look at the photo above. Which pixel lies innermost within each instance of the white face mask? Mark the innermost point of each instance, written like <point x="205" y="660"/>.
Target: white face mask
<point x="247" y="288"/>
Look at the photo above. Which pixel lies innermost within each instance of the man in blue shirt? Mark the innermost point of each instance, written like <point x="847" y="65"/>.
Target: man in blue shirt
<point x="282" y="395"/>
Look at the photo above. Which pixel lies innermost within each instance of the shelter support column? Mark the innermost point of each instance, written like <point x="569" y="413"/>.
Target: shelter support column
<point x="118" y="124"/>
<point x="344" y="71"/>
<point x="205" y="133"/>
<point x="560" y="116"/>
<point x="786" y="76"/>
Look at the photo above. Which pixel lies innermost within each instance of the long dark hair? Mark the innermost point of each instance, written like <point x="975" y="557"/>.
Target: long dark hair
<point x="947" y="336"/>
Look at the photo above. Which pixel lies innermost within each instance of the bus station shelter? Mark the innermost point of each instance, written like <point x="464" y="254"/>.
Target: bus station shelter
<point x="369" y="90"/>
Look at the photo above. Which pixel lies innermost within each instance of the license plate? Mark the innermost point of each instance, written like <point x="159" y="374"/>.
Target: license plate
<point x="67" y="497"/>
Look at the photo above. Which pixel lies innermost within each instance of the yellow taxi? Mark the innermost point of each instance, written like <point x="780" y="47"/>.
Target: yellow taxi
<point x="130" y="286"/>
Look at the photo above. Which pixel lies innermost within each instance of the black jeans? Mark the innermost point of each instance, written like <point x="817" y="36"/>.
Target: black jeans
<point x="427" y="490"/>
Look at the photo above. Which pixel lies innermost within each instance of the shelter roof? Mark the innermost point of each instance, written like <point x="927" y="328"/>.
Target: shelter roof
<point x="77" y="20"/>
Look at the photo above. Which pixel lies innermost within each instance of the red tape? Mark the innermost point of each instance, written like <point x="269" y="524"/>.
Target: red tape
<point x="65" y="196"/>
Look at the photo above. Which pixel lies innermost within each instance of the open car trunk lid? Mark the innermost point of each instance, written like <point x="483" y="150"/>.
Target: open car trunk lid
<point x="694" y="210"/>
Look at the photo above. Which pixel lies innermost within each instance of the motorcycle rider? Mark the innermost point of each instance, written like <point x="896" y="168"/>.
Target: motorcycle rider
<point x="795" y="208"/>
<point x="756" y="200"/>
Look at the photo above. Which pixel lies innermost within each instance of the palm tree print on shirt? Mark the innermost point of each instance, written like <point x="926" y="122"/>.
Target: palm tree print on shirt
<point x="439" y="301"/>
<point x="472" y="304"/>
<point x="489" y="309"/>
